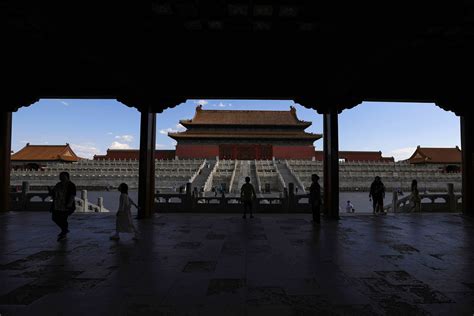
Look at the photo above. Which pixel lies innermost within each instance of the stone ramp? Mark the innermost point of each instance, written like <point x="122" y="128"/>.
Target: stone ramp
<point x="245" y="168"/>
<point x="288" y="177"/>
<point x="201" y="178"/>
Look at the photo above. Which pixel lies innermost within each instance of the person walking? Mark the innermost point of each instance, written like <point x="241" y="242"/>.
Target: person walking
<point x="64" y="203"/>
<point x="315" y="198"/>
<point x="247" y="195"/>
<point x="415" y="197"/>
<point x="377" y="194"/>
<point x="124" y="223"/>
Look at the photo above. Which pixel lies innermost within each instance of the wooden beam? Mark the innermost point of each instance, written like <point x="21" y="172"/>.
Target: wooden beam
<point x="5" y="153"/>
<point x="146" y="182"/>
<point x="331" y="164"/>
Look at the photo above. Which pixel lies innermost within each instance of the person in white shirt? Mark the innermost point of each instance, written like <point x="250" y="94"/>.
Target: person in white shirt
<point x="124" y="222"/>
<point x="349" y="207"/>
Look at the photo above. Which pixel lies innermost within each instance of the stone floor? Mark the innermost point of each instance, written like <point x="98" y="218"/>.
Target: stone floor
<point x="208" y="264"/>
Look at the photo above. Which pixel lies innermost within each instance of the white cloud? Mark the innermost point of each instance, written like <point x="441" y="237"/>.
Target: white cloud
<point x="85" y="151"/>
<point x="402" y="153"/>
<point x="63" y="102"/>
<point x="125" y="138"/>
<point x="24" y="141"/>
<point x="222" y="105"/>
<point x="117" y="145"/>
<point x="179" y="128"/>
<point x="201" y="102"/>
<point x="110" y="133"/>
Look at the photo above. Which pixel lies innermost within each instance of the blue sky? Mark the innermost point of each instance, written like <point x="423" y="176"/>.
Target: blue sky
<point x="92" y="126"/>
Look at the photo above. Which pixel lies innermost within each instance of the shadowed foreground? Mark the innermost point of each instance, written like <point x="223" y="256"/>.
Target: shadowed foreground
<point x="209" y="264"/>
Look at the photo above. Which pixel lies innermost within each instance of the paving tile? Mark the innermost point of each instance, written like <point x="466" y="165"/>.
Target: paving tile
<point x="213" y="264"/>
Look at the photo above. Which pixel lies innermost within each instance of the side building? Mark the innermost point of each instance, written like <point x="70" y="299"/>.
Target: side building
<point x="245" y="135"/>
<point x="36" y="157"/>
<point x="447" y="159"/>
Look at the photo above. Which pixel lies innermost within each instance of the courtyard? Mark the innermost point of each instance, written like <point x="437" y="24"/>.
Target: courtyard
<point x="221" y="264"/>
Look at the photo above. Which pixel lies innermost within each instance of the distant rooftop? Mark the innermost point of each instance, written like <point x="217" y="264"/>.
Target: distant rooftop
<point x="245" y="117"/>
<point x="436" y="155"/>
<point x="45" y="153"/>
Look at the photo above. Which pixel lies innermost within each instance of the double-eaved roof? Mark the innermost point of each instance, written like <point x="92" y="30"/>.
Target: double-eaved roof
<point x="45" y="153"/>
<point x="241" y="124"/>
<point x="247" y="118"/>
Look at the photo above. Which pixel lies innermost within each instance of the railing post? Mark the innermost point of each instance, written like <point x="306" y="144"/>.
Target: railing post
<point x="223" y="201"/>
<point x="291" y="197"/>
<point x="189" y="197"/>
<point x="100" y="203"/>
<point x="451" y="198"/>
<point x="395" y="201"/>
<point x="85" y="203"/>
<point x="25" y="189"/>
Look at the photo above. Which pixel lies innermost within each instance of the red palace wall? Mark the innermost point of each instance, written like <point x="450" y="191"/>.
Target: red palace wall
<point x="197" y="151"/>
<point x="358" y="156"/>
<point x="134" y="154"/>
<point x="293" y="152"/>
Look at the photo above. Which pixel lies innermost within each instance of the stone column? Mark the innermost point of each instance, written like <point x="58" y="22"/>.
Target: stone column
<point x="331" y="164"/>
<point x="467" y="146"/>
<point x="5" y="153"/>
<point x="394" y="201"/>
<point x="146" y="172"/>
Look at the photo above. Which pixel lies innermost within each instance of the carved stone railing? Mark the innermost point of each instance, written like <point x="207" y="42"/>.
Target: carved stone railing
<point x="225" y="204"/>
<point x="41" y="201"/>
<point x="430" y="202"/>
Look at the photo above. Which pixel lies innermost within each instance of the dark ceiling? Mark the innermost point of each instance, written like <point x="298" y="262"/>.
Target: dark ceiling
<point x="319" y="55"/>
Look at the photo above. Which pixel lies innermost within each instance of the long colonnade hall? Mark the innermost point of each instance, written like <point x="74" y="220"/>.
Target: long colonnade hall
<point x="182" y="104"/>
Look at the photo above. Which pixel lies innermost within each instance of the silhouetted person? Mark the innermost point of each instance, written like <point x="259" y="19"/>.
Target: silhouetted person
<point x="124" y="222"/>
<point x="315" y="198"/>
<point x="377" y="194"/>
<point x="64" y="204"/>
<point x="247" y="194"/>
<point x="415" y="197"/>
